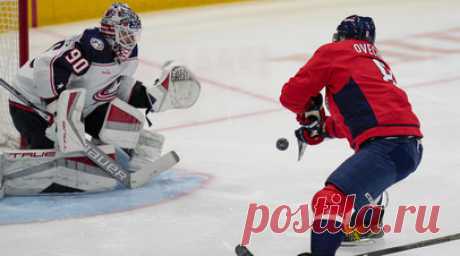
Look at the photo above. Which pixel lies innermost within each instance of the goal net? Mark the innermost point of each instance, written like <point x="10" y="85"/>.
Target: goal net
<point x="11" y="12"/>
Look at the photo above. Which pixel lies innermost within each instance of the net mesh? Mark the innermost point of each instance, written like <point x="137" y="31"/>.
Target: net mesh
<point x="9" y="63"/>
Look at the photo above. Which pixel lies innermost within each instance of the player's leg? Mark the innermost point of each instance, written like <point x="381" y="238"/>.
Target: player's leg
<point x="31" y="127"/>
<point x="370" y="219"/>
<point x="149" y="144"/>
<point x="95" y="120"/>
<point x="121" y="125"/>
<point x="378" y="165"/>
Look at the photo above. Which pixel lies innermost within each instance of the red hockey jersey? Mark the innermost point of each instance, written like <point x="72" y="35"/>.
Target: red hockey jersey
<point x="361" y="93"/>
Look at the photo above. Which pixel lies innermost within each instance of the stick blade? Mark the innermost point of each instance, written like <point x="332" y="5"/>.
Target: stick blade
<point x="144" y="175"/>
<point x="302" y="146"/>
<point x="241" y="250"/>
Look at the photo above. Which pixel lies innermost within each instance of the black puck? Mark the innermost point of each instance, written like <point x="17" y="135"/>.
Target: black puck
<point x="282" y="144"/>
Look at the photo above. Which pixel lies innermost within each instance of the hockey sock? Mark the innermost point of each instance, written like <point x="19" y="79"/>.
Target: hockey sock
<point x="330" y="206"/>
<point x="325" y="244"/>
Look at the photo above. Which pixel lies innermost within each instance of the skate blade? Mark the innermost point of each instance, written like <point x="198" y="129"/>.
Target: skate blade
<point x="361" y="242"/>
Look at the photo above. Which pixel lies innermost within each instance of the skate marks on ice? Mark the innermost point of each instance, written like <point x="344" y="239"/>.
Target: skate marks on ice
<point x="167" y="186"/>
<point x="399" y="50"/>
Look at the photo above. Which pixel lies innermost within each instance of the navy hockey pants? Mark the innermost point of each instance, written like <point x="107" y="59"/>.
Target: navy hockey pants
<point x="380" y="163"/>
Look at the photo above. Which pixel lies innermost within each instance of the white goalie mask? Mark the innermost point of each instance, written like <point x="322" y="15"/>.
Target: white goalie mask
<point x="122" y="29"/>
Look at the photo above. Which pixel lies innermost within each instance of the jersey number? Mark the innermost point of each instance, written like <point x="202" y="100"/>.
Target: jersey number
<point x="386" y="73"/>
<point x="79" y="64"/>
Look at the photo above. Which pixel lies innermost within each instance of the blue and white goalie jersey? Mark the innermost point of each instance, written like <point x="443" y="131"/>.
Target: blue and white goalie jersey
<point x="83" y="61"/>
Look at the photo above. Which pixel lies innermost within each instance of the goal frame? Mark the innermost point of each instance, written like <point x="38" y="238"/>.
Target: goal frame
<point x="23" y="22"/>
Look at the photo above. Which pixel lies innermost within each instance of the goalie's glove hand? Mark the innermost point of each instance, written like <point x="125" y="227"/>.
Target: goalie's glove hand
<point x="312" y="121"/>
<point x="177" y="88"/>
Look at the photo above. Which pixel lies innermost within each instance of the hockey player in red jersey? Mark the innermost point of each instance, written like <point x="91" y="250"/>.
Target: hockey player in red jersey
<point x="368" y="109"/>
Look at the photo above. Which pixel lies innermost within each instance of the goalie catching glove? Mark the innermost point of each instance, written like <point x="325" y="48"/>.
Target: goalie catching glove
<point x="313" y="128"/>
<point x="175" y="89"/>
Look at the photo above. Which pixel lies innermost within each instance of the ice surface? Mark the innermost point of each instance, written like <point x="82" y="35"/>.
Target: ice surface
<point x="165" y="187"/>
<point x="243" y="54"/>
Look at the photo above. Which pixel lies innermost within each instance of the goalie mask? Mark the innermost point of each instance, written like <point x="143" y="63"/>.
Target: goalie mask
<point x="122" y="28"/>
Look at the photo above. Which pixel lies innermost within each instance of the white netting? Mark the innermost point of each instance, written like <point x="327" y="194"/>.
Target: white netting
<point x="9" y="63"/>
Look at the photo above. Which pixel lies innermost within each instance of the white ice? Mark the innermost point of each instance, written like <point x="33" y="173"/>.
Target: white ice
<point x="243" y="53"/>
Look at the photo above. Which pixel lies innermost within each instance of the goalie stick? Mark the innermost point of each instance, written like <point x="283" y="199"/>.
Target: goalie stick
<point x="242" y="250"/>
<point x="18" y="95"/>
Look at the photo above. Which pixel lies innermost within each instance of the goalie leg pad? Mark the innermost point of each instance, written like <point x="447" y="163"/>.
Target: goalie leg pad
<point x="68" y="128"/>
<point x="122" y="125"/>
<point x="33" y="172"/>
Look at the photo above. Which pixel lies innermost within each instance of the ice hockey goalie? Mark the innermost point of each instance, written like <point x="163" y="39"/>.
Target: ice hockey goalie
<point x="78" y="110"/>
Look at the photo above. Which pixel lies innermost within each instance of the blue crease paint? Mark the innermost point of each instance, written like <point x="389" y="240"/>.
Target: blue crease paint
<point x="164" y="187"/>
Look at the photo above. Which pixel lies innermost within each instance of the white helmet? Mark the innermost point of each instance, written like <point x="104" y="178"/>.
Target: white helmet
<point x="122" y="29"/>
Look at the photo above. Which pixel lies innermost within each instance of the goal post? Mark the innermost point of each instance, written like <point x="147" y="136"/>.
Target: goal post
<point x="23" y="20"/>
<point x="14" y="52"/>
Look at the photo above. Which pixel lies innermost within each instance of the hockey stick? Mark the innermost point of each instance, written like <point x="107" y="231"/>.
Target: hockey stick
<point x="301" y="149"/>
<point x="242" y="250"/>
<point x="26" y="101"/>
<point x="411" y="246"/>
<point x="302" y="145"/>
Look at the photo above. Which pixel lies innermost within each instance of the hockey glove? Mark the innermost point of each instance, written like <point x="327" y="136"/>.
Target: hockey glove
<point x="312" y="134"/>
<point x="314" y="111"/>
<point x="177" y="88"/>
<point x="312" y="130"/>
